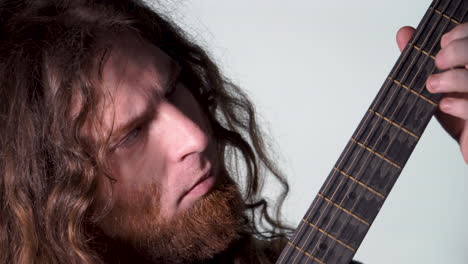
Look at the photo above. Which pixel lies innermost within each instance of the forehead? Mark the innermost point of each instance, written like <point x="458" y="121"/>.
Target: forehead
<point x="135" y="63"/>
<point x="134" y="75"/>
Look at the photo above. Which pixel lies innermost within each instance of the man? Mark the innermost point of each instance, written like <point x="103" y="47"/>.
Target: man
<point x="121" y="142"/>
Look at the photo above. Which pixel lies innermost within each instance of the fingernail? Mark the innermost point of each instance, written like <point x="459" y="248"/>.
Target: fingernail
<point x="442" y="40"/>
<point x="433" y="82"/>
<point x="445" y="104"/>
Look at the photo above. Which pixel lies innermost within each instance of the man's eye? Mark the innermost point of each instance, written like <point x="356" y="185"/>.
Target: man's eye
<point x="130" y="138"/>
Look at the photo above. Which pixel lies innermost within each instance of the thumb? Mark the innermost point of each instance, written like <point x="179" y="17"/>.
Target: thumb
<point x="403" y="36"/>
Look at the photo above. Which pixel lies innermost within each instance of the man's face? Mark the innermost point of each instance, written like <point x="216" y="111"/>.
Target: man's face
<point x="166" y="140"/>
<point x="169" y="189"/>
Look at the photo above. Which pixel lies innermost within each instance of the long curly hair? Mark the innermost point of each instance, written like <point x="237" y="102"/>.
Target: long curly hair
<point x="49" y="170"/>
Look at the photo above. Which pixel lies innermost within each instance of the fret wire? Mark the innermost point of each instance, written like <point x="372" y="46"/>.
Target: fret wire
<point x="376" y="153"/>
<point x="414" y="92"/>
<point x="298" y="253"/>
<point x="388" y="103"/>
<point x="329" y="235"/>
<point x="344" y="156"/>
<point x="393" y="123"/>
<point x="343" y="209"/>
<point x="402" y="85"/>
<point x="446" y="16"/>
<point x="428" y="55"/>
<point x="437" y="40"/>
<point x="319" y="195"/>
<point x="411" y="66"/>
<point x="370" y="149"/>
<point x="296" y="235"/>
<point x="286" y="252"/>
<point x="421" y="29"/>
<point x="406" y="53"/>
<point x="414" y="77"/>
<point x="424" y="52"/>
<point x="439" y="35"/>
<point x="313" y="206"/>
<point x="400" y="64"/>
<point x="305" y="253"/>
<point x="443" y="31"/>
<point x="395" y="72"/>
<point x="360" y="183"/>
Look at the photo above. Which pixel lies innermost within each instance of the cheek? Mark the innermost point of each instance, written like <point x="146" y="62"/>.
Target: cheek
<point x="142" y="165"/>
<point x="136" y="186"/>
<point x="137" y="201"/>
<point x="133" y="174"/>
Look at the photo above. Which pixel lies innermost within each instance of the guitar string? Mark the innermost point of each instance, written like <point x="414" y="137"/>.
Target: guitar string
<point x="424" y="62"/>
<point x="351" y="189"/>
<point x="413" y="80"/>
<point x="343" y="157"/>
<point x="388" y="125"/>
<point x="352" y="186"/>
<point x="378" y="100"/>
<point x="397" y="109"/>
<point x="299" y="231"/>
<point x="434" y="66"/>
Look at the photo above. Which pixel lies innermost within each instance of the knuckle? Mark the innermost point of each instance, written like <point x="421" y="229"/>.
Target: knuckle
<point x="452" y="50"/>
<point x="460" y="29"/>
<point x="450" y="54"/>
<point x="453" y="76"/>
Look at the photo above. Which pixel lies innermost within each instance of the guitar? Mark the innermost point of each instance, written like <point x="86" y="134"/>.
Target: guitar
<point x="344" y="209"/>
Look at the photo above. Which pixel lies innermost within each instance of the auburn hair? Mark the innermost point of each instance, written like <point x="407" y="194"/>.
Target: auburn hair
<point x="49" y="170"/>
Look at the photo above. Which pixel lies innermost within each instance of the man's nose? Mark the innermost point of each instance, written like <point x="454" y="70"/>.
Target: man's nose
<point x="183" y="134"/>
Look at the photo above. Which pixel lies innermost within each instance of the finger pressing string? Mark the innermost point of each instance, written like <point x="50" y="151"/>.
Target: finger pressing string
<point x="459" y="32"/>
<point x="457" y="107"/>
<point x="453" y="55"/>
<point x="455" y="80"/>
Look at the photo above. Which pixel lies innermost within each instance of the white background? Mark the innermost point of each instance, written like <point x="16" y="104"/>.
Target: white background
<point x="312" y="68"/>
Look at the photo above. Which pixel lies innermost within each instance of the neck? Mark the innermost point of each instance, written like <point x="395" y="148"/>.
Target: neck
<point x="109" y="250"/>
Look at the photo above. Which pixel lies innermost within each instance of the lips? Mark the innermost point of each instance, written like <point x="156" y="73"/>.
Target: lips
<point x="201" y="186"/>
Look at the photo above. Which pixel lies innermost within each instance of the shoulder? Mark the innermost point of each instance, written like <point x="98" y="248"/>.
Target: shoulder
<point x="270" y="248"/>
<point x="273" y="248"/>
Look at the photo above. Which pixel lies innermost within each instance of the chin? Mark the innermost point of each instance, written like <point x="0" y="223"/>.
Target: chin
<point x="212" y="220"/>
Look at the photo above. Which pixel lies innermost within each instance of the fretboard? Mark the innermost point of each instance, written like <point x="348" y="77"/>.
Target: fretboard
<point x="347" y="204"/>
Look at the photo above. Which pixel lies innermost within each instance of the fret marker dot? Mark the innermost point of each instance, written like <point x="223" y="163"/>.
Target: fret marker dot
<point x="351" y="195"/>
<point x="323" y="246"/>
<point x="385" y="139"/>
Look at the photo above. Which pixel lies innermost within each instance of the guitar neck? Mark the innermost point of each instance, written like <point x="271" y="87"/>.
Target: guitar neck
<point x="347" y="204"/>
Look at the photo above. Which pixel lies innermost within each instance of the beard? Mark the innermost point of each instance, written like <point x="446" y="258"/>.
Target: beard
<point x="199" y="233"/>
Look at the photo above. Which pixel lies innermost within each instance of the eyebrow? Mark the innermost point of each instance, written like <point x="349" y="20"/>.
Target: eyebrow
<point x="141" y="118"/>
<point x="122" y="130"/>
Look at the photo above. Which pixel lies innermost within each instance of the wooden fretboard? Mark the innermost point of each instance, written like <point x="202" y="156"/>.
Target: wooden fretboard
<point x="347" y="204"/>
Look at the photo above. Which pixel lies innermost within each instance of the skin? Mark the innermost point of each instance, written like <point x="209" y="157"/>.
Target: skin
<point x="171" y="201"/>
<point x="177" y="135"/>
<point x="170" y="148"/>
<point x="453" y="82"/>
<point x="158" y="163"/>
<point x="175" y="141"/>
